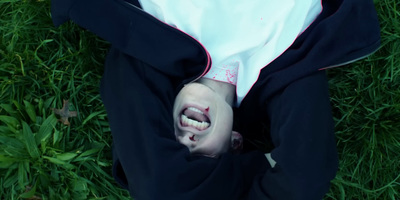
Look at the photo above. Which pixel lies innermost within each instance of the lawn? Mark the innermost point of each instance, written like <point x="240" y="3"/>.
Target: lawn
<point x="41" y="158"/>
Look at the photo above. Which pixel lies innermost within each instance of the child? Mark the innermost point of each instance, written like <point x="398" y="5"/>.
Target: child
<point x="150" y="62"/>
<point x="241" y="39"/>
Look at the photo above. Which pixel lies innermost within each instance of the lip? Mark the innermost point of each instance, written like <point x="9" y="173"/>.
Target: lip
<point x="191" y="129"/>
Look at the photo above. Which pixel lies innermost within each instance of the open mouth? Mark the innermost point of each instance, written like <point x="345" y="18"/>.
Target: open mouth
<point x="195" y="118"/>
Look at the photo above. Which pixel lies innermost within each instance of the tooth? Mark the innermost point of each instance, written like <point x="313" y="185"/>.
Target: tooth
<point x="196" y="124"/>
<point x="184" y="120"/>
<point x="202" y="126"/>
<point x="206" y="125"/>
<point x="190" y="122"/>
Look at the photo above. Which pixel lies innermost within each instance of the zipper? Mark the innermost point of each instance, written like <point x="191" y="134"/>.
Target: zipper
<point x="209" y="61"/>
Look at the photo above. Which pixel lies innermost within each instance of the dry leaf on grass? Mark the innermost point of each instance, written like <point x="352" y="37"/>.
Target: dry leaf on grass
<point x="65" y="113"/>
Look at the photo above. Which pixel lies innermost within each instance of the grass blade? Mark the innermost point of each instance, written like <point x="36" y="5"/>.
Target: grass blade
<point x="30" y="141"/>
<point x="30" y="110"/>
<point x="46" y="129"/>
<point x="11" y="121"/>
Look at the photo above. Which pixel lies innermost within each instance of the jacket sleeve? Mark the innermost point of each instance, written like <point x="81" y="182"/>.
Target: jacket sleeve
<point x="132" y="31"/>
<point x="302" y="132"/>
<point x="294" y="94"/>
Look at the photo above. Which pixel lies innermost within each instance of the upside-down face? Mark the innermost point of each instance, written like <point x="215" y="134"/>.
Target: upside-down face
<point x="202" y="120"/>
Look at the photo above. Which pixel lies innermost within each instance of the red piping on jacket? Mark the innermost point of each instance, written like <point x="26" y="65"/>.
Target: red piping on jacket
<point x="198" y="42"/>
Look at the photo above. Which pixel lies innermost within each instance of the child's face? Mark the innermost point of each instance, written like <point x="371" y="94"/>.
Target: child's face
<point x="202" y="120"/>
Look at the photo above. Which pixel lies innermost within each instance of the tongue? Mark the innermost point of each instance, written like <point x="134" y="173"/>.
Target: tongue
<point x="195" y="115"/>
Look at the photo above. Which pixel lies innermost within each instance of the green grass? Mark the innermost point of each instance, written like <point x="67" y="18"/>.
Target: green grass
<point x="366" y="104"/>
<point x="41" y="65"/>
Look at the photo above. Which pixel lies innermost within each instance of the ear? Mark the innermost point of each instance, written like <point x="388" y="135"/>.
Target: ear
<point x="236" y="142"/>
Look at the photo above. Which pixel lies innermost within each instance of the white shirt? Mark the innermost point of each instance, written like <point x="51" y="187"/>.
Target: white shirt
<point x="241" y="37"/>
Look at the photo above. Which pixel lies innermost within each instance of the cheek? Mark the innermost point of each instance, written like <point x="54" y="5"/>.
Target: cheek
<point x="222" y="136"/>
<point x="215" y="146"/>
<point x="227" y="115"/>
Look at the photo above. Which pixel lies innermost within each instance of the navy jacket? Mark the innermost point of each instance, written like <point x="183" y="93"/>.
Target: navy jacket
<point x="150" y="61"/>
